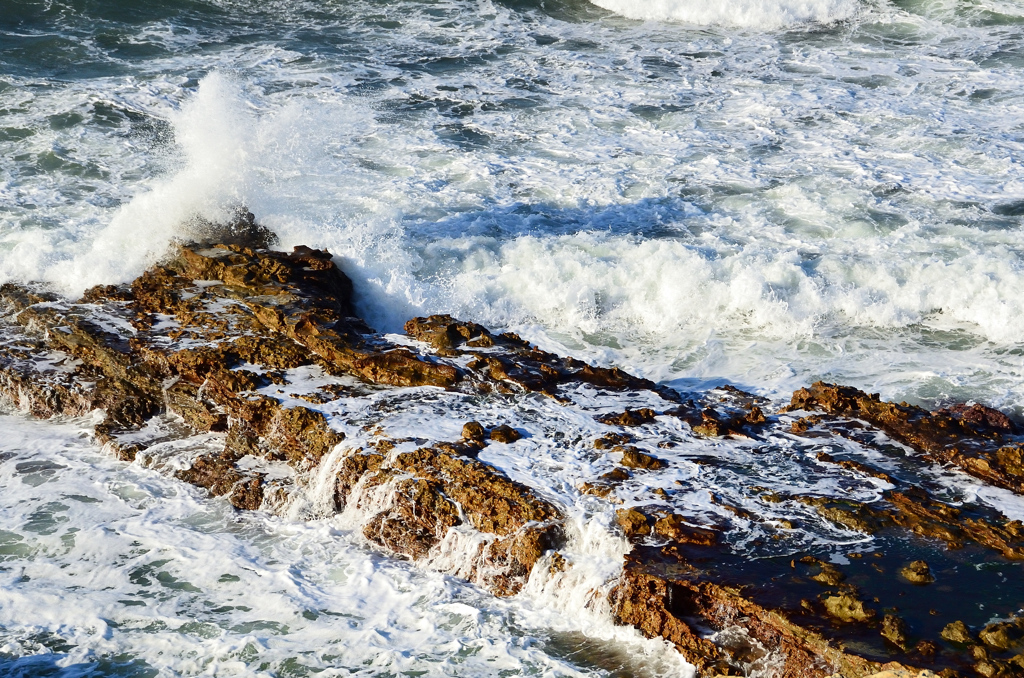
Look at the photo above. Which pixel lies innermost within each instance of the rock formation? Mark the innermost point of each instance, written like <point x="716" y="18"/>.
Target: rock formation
<point x="234" y="367"/>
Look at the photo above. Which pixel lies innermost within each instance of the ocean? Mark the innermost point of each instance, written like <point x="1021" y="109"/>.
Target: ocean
<point x="756" y="193"/>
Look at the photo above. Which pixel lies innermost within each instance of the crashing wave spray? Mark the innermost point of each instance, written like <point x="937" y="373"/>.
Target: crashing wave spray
<point x="214" y="132"/>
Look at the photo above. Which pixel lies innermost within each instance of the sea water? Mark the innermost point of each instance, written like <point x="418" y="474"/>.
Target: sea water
<point x="751" y="192"/>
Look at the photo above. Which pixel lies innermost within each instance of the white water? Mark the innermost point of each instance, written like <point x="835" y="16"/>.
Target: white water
<point x="759" y="14"/>
<point x="754" y="192"/>
<point x="111" y="567"/>
<point x="778" y="208"/>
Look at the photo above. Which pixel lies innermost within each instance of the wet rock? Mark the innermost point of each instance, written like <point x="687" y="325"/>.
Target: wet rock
<point x="616" y="475"/>
<point x="629" y="417"/>
<point x="848" y="514"/>
<point x="894" y="630"/>
<point x="644" y="601"/>
<point x="967" y="437"/>
<point x="903" y="673"/>
<point x="612" y="440"/>
<point x="660" y="605"/>
<point x="433" y="489"/>
<point x="211" y="353"/>
<point x="674" y="528"/>
<point x="829" y="575"/>
<point x="1001" y="635"/>
<point x="254" y="346"/>
<point x="444" y="332"/>
<point x="474" y="431"/>
<point x="957" y="632"/>
<point x="917" y="572"/>
<point x="980" y="415"/>
<point x="505" y="434"/>
<point x="855" y="466"/>
<point x="755" y="416"/>
<point x="242" y="230"/>
<point x="517" y="365"/>
<point x="712" y="423"/>
<point x="845" y="607"/>
<point x="220" y="476"/>
<point x="632" y="457"/>
<point x="633" y="523"/>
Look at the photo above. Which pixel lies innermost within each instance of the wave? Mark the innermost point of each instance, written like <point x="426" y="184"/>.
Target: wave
<point x="766" y="14"/>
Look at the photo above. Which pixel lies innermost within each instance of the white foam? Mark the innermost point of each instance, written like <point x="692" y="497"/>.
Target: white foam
<point x="110" y="562"/>
<point x="703" y="206"/>
<point x="761" y="14"/>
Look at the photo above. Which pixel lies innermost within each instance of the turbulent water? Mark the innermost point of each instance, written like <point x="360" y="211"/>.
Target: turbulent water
<point x="754" y="192"/>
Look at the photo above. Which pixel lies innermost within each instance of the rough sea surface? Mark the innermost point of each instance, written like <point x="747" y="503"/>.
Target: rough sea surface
<point x="753" y="192"/>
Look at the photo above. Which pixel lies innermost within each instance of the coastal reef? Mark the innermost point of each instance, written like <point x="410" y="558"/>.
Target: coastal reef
<point x="836" y="535"/>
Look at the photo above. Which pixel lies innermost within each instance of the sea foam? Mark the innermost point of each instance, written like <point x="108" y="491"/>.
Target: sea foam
<point x="760" y="14"/>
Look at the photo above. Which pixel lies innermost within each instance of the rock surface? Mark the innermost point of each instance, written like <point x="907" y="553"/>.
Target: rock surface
<point x="799" y="542"/>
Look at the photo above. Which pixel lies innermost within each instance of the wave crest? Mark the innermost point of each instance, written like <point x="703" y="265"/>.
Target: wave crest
<point x="743" y="13"/>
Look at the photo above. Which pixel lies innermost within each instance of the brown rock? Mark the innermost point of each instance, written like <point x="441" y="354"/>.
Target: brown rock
<point x="1001" y="635"/>
<point x="657" y="605"/>
<point x="634" y="458"/>
<point x="505" y="434"/>
<point x="847" y="608"/>
<point x="895" y="631"/>
<point x="473" y="431"/>
<point x="672" y="527"/>
<point x="829" y="575"/>
<point x="632" y="522"/>
<point x="630" y="417"/>
<point x="957" y="632"/>
<point x="220" y="477"/>
<point x="917" y="572"/>
<point x="965" y="436"/>
<point x="611" y="440"/>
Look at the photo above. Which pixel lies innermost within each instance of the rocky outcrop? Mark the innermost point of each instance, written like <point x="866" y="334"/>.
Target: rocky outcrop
<point x="207" y="337"/>
<point x="247" y="363"/>
<point x="976" y="439"/>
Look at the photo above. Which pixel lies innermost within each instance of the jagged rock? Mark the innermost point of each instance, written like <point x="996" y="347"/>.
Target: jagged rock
<point x="894" y="630"/>
<point x="917" y="572"/>
<point x="957" y="632"/>
<point x="612" y="440"/>
<point x="1001" y="635"/>
<point x="212" y="341"/>
<point x="633" y="523"/>
<point x="672" y="527"/>
<point x="434" y="489"/>
<point x="242" y="230"/>
<point x="847" y="608"/>
<point x="519" y="365"/>
<point x="630" y="417"/>
<point x="829" y="575"/>
<point x="659" y="604"/>
<point x="220" y="476"/>
<point x="968" y="437"/>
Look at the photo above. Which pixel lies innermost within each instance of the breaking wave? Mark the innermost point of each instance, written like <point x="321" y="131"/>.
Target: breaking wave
<point x="766" y="14"/>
